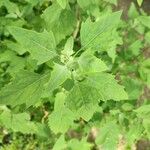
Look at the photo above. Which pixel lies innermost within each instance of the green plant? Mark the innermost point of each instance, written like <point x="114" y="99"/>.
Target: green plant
<point x="72" y="75"/>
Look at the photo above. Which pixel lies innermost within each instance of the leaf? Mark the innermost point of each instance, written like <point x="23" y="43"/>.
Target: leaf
<point x="75" y="144"/>
<point x="108" y="136"/>
<point x="62" y="3"/>
<point x="112" y="2"/>
<point x="41" y="46"/>
<point x="15" y="63"/>
<point x="84" y="3"/>
<point x="18" y="122"/>
<point x="139" y="2"/>
<point x="59" y="101"/>
<point x="135" y="47"/>
<point x="60" y="120"/>
<point x="18" y="48"/>
<point x="133" y="13"/>
<point x="59" y="75"/>
<point x="146" y="124"/>
<point x="145" y="71"/>
<point x="10" y="6"/>
<point x="134" y="133"/>
<point x="84" y="96"/>
<point x="143" y="111"/>
<point x="60" y="143"/>
<point x="133" y="87"/>
<point x="92" y="30"/>
<point x="89" y="63"/>
<point x="83" y="100"/>
<point x="107" y="86"/>
<point x="68" y="49"/>
<point x="60" y="21"/>
<point x="26" y="88"/>
<point x="145" y="20"/>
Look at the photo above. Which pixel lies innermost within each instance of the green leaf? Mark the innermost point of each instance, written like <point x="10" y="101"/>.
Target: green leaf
<point x="146" y="124"/>
<point x="58" y="76"/>
<point x="68" y="49"/>
<point x="18" y="122"/>
<point x="107" y="86"/>
<point x="139" y="2"/>
<point x="133" y="87"/>
<point x="84" y="3"/>
<point x="145" y="71"/>
<point x="90" y="31"/>
<point x="60" y="120"/>
<point x="143" y="111"/>
<point x="83" y="100"/>
<point x="127" y="107"/>
<point x="11" y="7"/>
<point x="62" y="3"/>
<point x="134" y="133"/>
<point x="60" y="143"/>
<point x="84" y="96"/>
<point x="75" y="144"/>
<point x="133" y="13"/>
<point x="89" y="63"/>
<point x="108" y="137"/>
<point x="15" y="63"/>
<point x="112" y="1"/>
<point x="18" y="48"/>
<point x="59" y="100"/>
<point x="26" y="88"/>
<point x="41" y="46"/>
<point x="135" y="47"/>
<point x="61" y="22"/>
<point x="145" y="20"/>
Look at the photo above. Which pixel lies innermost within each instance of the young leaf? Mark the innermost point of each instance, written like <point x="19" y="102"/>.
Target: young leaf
<point x="26" y="88"/>
<point x="59" y="74"/>
<point x="88" y="63"/>
<point x="68" y="49"/>
<point x="41" y="46"/>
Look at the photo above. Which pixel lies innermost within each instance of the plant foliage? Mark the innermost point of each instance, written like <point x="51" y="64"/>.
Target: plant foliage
<point x="74" y="74"/>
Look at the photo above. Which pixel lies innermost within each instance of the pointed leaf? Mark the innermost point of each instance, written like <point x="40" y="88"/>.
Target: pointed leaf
<point x="59" y="74"/>
<point x="92" y="30"/>
<point x="26" y="88"/>
<point x="88" y="63"/>
<point x="41" y="46"/>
